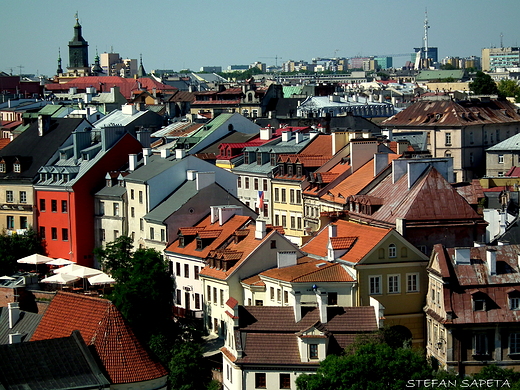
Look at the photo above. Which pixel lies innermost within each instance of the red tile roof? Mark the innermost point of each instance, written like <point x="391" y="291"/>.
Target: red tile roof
<point x="367" y="238"/>
<point x="310" y="271"/>
<point x="103" y="327"/>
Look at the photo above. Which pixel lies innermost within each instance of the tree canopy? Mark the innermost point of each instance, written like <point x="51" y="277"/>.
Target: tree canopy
<point x="509" y="88"/>
<point x="483" y="84"/>
<point x="143" y="291"/>
<point x="16" y="246"/>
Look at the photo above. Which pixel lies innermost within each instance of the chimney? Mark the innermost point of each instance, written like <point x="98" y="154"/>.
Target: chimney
<point x="81" y="140"/>
<point x="204" y="179"/>
<point x="297" y="306"/>
<point x="286" y="136"/>
<point x="109" y="136"/>
<point x="286" y="258"/>
<point x="339" y="140"/>
<point x="380" y="162"/>
<point x="266" y="133"/>
<point x="128" y="109"/>
<point x="15" y="338"/>
<point x="333" y="230"/>
<point x="298" y="137"/>
<point x="462" y="256"/>
<point x="44" y="123"/>
<point x="179" y="154"/>
<point x="132" y="162"/>
<point x="402" y="146"/>
<point x="361" y="152"/>
<point x="165" y="153"/>
<point x="14" y="313"/>
<point x="321" y="298"/>
<point x="147" y="152"/>
<point x="260" y="230"/>
<point x="144" y="137"/>
<point x="388" y="133"/>
<point x="191" y="174"/>
<point x="223" y="213"/>
<point x="491" y="261"/>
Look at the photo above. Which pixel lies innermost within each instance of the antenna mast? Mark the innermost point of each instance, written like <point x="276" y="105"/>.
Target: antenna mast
<point x="426" y="27"/>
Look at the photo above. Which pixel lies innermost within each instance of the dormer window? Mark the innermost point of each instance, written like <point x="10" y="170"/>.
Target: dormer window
<point x="3" y="168"/>
<point x="259" y="159"/>
<point x="479" y="304"/>
<point x="246" y="158"/>
<point x="17" y="167"/>
<point x="514" y="303"/>
<point x="181" y="241"/>
<point x="199" y="243"/>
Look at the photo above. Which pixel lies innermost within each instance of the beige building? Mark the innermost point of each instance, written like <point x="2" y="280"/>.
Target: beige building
<point x="500" y="57"/>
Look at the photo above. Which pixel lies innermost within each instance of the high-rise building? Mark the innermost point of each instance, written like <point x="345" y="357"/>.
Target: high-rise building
<point x="500" y="57"/>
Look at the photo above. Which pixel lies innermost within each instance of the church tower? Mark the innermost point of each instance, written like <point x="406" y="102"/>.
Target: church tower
<point x="78" y="49"/>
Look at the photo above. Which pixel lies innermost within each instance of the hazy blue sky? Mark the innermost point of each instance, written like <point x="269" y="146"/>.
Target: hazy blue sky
<point x="175" y="34"/>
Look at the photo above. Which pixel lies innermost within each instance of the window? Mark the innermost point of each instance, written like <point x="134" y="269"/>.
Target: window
<point x="284" y="196"/>
<point x="116" y="234"/>
<point x="286" y="297"/>
<point x="23" y="222"/>
<point x="42" y="232"/>
<point x="298" y="196"/>
<point x="116" y="209"/>
<point x="259" y="302"/>
<point x="186" y="270"/>
<point x="215" y="295"/>
<point x="132" y="212"/>
<point x="152" y="233"/>
<point x="132" y="194"/>
<point x="332" y="298"/>
<point x="266" y="210"/>
<point x="500" y="158"/>
<point x="208" y="295"/>
<point x="178" y="297"/>
<point x="221" y="298"/>
<point x="259" y="159"/>
<point x="54" y="205"/>
<point x="54" y="233"/>
<point x="239" y="182"/>
<point x="412" y="282"/>
<point x="23" y="197"/>
<point x="479" y="304"/>
<point x="375" y="285"/>
<point x="273" y="159"/>
<point x="291" y="196"/>
<point x="260" y="380"/>
<point x="272" y="293"/>
<point x="447" y="139"/>
<point x="393" y="284"/>
<point x="3" y="168"/>
<point x="285" y="381"/>
<point x="64" y="208"/>
<point x="197" y="301"/>
<point x="101" y="208"/>
<point x="514" y="343"/>
<point x="276" y="220"/>
<point x="141" y="224"/>
<point x="9" y="197"/>
<point x="284" y="220"/>
<point x="276" y="195"/>
<point x="293" y="222"/>
<point x="10" y="222"/>
<point x="17" y="167"/>
<point x="480" y="346"/>
<point x="196" y="272"/>
<point x="514" y="303"/>
<point x="103" y="235"/>
<point x="392" y="252"/>
<point x="178" y="269"/>
<point x="313" y="351"/>
<point x="65" y="234"/>
<point x="247" y="183"/>
<point x="273" y="244"/>
<point x="278" y="295"/>
<point x="140" y="196"/>
<point x="256" y="184"/>
<point x="265" y="185"/>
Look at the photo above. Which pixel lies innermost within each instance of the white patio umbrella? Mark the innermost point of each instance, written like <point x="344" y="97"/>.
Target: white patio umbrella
<point x="102" y="278"/>
<point x="60" y="279"/>
<point x="84" y="272"/>
<point x="5" y="277"/>
<point x="60" y="261"/>
<point x="34" y="259"/>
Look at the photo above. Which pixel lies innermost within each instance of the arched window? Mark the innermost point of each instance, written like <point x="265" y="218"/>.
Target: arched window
<point x="392" y="250"/>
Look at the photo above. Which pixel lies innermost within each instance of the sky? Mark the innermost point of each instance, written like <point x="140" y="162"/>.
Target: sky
<point x="189" y="34"/>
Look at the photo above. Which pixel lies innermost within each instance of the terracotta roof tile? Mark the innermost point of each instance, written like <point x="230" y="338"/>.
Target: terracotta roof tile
<point x="209" y="233"/>
<point x="311" y="271"/>
<point x="254" y="281"/>
<point x="367" y="238"/>
<point x="342" y="242"/>
<point x="103" y="327"/>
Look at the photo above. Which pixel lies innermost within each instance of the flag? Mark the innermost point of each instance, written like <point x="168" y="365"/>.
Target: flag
<point x="260" y="200"/>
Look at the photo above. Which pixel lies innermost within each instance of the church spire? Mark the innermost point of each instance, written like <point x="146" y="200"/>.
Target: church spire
<point x="60" y="69"/>
<point x="78" y="48"/>
<point x="141" y="72"/>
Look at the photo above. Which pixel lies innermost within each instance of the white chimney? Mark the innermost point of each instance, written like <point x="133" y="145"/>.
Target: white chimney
<point x="266" y="133"/>
<point x="462" y="256"/>
<point x="388" y="133"/>
<point x="400" y="225"/>
<point x="132" y="162"/>
<point x="297" y="306"/>
<point x="260" y="230"/>
<point x="321" y="298"/>
<point x="298" y="137"/>
<point x="191" y="174"/>
<point x="491" y="260"/>
<point x="286" y="136"/>
<point x="14" y="313"/>
<point x="179" y="154"/>
<point x="147" y="152"/>
<point x="165" y="153"/>
<point x="222" y="214"/>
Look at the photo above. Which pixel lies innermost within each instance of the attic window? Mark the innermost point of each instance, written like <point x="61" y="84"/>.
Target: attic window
<point x="3" y="167"/>
<point x="479" y="304"/>
<point x="199" y="243"/>
<point x="17" y="167"/>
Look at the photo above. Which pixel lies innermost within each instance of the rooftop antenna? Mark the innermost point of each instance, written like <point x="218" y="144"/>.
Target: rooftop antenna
<point x="501" y="41"/>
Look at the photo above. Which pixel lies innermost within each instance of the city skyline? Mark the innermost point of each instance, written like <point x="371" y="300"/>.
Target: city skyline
<point x="179" y="35"/>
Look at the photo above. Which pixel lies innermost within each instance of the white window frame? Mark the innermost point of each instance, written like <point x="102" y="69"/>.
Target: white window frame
<point x="372" y="289"/>
<point x="479" y="338"/>
<point x="410" y="282"/>
<point x="514" y="303"/>
<point x="392" y="251"/>
<point x="500" y="158"/>
<point x="391" y="280"/>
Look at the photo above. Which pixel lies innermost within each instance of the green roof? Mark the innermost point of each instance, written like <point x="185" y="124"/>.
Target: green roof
<point x="290" y="90"/>
<point x="425" y="75"/>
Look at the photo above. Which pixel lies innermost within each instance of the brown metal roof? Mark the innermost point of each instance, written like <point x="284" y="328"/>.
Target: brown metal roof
<point x="449" y="113"/>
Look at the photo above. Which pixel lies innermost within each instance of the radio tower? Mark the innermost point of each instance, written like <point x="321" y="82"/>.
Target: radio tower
<point x="426" y="27"/>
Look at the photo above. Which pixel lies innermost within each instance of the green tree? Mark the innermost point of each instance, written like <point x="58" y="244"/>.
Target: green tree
<point x="143" y="291"/>
<point x="448" y="67"/>
<point x="508" y="88"/>
<point x="188" y="368"/>
<point x="369" y="366"/>
<point x="16" y="246"/>
<point x="483" y="84"/>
